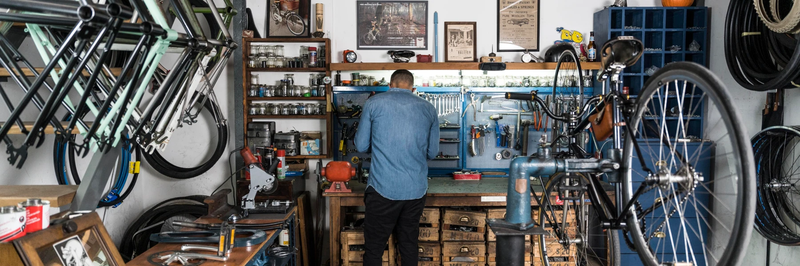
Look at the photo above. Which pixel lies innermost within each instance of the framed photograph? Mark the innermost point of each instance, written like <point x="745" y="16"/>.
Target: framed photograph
<point x="386" y="25"/>
<point x="88" y="245"/>
<point x="517" y="25"/>
<point x="288" y="18"/>
<point x="459" y="37"/>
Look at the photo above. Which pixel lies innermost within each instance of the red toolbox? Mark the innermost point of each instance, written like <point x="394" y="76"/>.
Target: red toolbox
<point x="467" y="175"/>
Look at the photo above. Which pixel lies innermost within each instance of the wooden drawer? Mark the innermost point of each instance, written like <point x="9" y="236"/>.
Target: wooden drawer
<point x="429" y="263"/>
<point x="475" y="251"/>
<point x="430" y="250"/>
<point x="454" y="221"/>
<point x="556" y="262"/>
<point x="558" y="218"/>
<point x="492" y="263"/>
<point x="554" y="249"/>
<point x="491" y="250"/>
<point x="461" y="263"/>
<point x="499" y="213"/>
<point x="352" y="239"/>
<point x="429" y="233"/>
<point x="430" y="216"/>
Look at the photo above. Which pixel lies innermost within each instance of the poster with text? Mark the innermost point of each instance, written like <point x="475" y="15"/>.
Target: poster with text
<point x="460" y="41"/>
<point x="518" y="25"/>
<point x="392" y="25"/>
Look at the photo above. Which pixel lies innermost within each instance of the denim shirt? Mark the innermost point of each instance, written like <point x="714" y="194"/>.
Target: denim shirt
<point x="403" y="131"/>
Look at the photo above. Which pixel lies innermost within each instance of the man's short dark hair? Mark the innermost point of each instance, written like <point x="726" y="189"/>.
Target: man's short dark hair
<point x="402" y="75"/>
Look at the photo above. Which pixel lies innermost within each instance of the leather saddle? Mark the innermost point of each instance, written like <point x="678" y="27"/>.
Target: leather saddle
<point x="620" y="52"/>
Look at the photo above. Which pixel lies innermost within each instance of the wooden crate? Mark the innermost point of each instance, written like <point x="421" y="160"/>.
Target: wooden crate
<point x="430" y="263"/>
<point x="454" y="219"/>
<point x="491" y="250"/>
<point x="473" y="251"/>
<point x="356" y="238"/>
<point x="463" y="263"/>
<point x="498" y="213"/>
<point x="554" y="249"/>
<point x="430" y="216"/>
<point x="558" y="218"/>
<point x="430" y="250"/>
<point x="560" y="261"/>
<point x="492" y="263"/>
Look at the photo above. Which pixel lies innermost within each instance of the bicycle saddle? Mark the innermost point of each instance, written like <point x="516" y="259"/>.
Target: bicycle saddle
<point x="620" y="52"/>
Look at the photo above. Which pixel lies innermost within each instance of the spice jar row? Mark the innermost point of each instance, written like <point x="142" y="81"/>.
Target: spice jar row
<point x="287" y="109"/>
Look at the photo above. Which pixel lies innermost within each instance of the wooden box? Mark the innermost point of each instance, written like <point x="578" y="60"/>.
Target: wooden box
<point x="557" y="262"/>
<point x="454" y="221"/>
<point x="491" y="249"/>
<point x="554" y="249"/>
<point x="471" y="251"/>
<point x="352" y="249"/>
<point x="559" y="216"/>
<point x="429" y="225"/>
<point x="499" y="213"/>
<point x="430" y="253"/>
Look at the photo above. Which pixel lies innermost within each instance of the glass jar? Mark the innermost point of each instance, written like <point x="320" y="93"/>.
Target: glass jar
<point x="268" y="109"/>
<point x="275" y="109"/>
<point x="285" y="109"/>
<point x="321" y="90"/>
<point x="267" y="91"/>
<point x="253" y="109"/>
<point x="280" y="62"/>
<point x="305" y="91"/>
<point x="262" y="61"/>
<point x="271" y="62"/>
<point x="251" y="62"/>
<point x="310" y="109"/>
<point x="312" y="56"/>
<point x="491" y="81"/>
<point x="284" y="89"/>
<point x="300" y="108"/>
<point x="312" y="80"/>
<point x="321" y="109"/>
<point x="296" y="91"/>
<point x="270" y="50"/>
<point x="278" y="50"/>
<point x="289" y="78"/>
<point x="254" y="49"/>
<point x="262" y="109"/>
<point x="262" y="49"/>
<point x="253" y="91"/>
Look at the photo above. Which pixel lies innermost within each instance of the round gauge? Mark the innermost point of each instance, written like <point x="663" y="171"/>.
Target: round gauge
<point x="351" y="56"/>
<point x="326" y="80"/>
<point x="577" y="37"/>
<point x="527" y="57"/>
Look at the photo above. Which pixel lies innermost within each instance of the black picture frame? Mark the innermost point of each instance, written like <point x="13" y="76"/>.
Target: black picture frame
<point x="386" y="37"/>
<point x="526" y="21"/>
<point x="275" y="29"/>
<point x="468" y="38"/>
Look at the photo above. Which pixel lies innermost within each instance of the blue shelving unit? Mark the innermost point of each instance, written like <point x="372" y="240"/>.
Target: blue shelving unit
<point x="659" y="28"/>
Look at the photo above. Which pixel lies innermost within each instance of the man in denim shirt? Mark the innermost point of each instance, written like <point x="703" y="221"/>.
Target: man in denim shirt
<point x="403" y="131"/>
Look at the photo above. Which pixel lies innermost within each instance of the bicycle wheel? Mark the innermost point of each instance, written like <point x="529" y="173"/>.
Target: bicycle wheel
<point x="567" y="90"/>
<point x="167" y="168"/>
<point x="777" y="214"/>
<point x="296" y="24"/>
<point x="580" y="237"/>
<point x="696" y="182"/>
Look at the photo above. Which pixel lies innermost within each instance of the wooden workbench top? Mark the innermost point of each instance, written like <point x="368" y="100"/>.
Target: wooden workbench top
<point x="446" y="186"/>
<point x="58" y="195"/>
<point x="239" y="256"/>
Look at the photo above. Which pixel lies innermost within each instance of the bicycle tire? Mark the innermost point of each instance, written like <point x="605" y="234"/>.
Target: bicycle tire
<point x="163" y="166"/>
<point x="567" y="82"/>
<point x="772" y="19"/>
<point x="589" y="234"/>
<point x="678" y="177"/>
<point x="299" y="27"/>
<point x="176" y="206"/>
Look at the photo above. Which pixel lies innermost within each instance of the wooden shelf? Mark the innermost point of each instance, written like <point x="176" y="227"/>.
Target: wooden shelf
<point x="15" y="130"/>
<point x="5" y="73"/>
<point x="307" y="157"/>
<point x="287" y="116"/>
<point x="448" y="66"/>
<point x="286" y="98"/>
<point x="302" y="40"/>
<point x="304" y="69"/>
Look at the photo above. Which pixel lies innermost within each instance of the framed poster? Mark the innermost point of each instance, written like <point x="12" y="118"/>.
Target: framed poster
<point x="386" y="25"/>
<point x="517" y="25"/>
<point x="459" y="39"/>
<point x="87" y="244"/>
<point x="288" y="18"/>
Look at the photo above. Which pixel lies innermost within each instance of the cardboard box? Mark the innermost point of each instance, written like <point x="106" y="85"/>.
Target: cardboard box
<point x="310" y="142"/>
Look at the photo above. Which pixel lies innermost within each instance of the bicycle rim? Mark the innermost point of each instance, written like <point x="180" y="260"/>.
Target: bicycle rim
<point x="700" y="208"/>
<point x="776" y="150"/>
<point x="593" y="245"/>
<point x="296" y="24"/>
<point x="567" y="89"/>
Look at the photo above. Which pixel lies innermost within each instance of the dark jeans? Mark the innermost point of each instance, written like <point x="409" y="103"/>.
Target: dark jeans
<point x="384" y="216"/>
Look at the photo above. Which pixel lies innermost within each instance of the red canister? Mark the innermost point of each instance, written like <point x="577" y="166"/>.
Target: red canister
<point x="37" y="212"/>
<point x="424" y="58"/>
<point x="12" y="223"/>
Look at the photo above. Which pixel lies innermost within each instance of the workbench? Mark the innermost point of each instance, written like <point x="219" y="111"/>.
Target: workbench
<point x="442" y="192"/>
<point x="239" y="256"/>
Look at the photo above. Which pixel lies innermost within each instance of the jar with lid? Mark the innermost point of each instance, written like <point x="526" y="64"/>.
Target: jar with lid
<point x="300" y="108"/>
<point x="289" y="78"/>
<point x="253" y="109"/>
<point x="251" y="61"/>
<point x="270" y="50"/>
<point x="271" y="62"/>
<point x="275" y="109"/>
<point x="297" y="91"/>
<point x="261" y="61"/>
<point x="254" y="49"/>
<point x="279" y="50"/>
<point x="321" y="108"/>
<point x="285" y="109"/>
<point x="305" y="91"/>
<point x="312" y="56"/>
<point x="280" y="62"/>
<point x="345" y="83"/>
<point x="262" y="109"/>
<point x="253" y="92"/>
<point x="313" y="80"/>
<point x="284" y="89"/>
<point x="262" y="49"/>
<point x="321" y="90"/>
<point x="310" y="109"/>
<point x="268" y="91"/>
